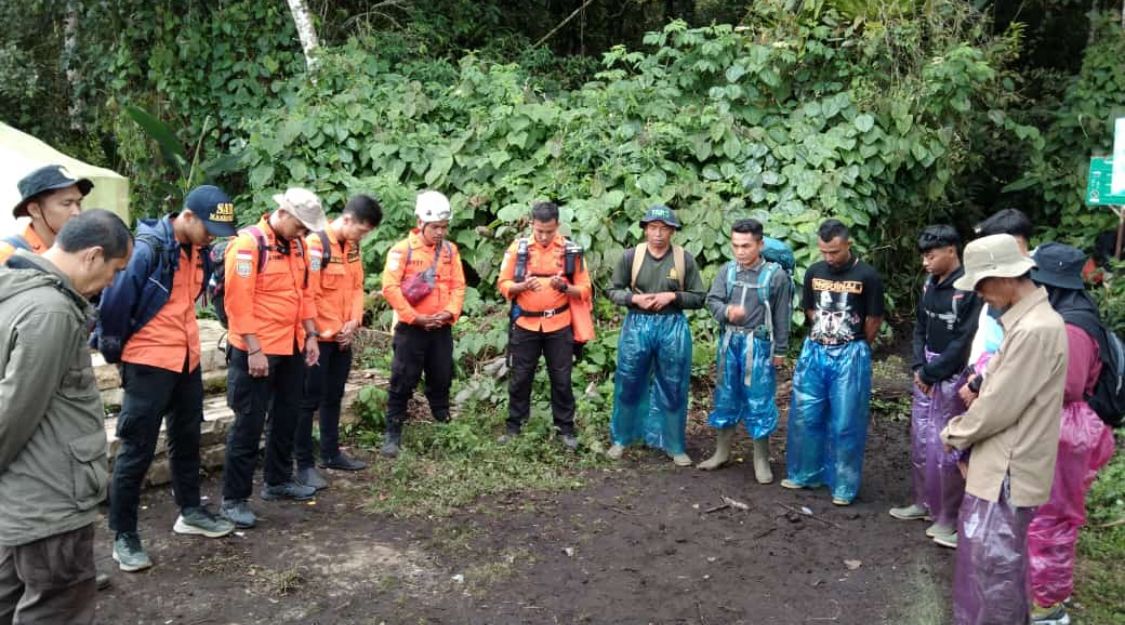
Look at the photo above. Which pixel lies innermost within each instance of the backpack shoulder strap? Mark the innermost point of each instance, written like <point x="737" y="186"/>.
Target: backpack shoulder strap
<point x="765" y="279"/>
<point x="731" y="269"/>
<point x="679" y="262"/>
<point x="17" y="241"/>
<point x="638" y="261"/>
<point x="263" y="245"/>
<point x="522" y="256"/>
<point x="325" y="246"/>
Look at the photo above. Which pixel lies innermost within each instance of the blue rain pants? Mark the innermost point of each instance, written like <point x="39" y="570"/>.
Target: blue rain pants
<point x="746" y="388"/>
<point x="650" y="395"/>
<point x="827" y="428"/>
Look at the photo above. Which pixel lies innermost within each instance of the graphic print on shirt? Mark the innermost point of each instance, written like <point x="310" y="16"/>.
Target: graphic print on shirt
<point x="835" y="319"/>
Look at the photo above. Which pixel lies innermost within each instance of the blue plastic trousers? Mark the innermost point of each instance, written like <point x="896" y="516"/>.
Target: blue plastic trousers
<point x="828" y="417"/>
<point x="746" y="388"/>
<point x="650" y="395"/>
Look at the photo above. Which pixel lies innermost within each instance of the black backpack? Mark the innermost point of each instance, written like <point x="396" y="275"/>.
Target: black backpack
<point x="1108" y="398"/>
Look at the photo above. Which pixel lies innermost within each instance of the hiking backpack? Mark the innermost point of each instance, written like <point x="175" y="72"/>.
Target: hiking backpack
<point x="1108" y="398"/>
<point x="778" y="257"/>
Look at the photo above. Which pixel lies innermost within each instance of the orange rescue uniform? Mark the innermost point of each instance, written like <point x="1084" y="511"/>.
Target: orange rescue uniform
<point x="33" y="241"/>
<point x="449" y="287"/>
<point x="273" y="303"/>
<point x="543" y="263"/>
<point x="338" y="283"/>
<point x="172" y="336"/>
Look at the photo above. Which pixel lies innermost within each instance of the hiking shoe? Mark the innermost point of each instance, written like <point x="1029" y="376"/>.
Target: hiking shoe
<point x="939" y="530"/>
<point x="1051" y="615"/>
<point x="288" y="490"/>
<point x="615" y="451"/>
<point x="570" y="441"/>
<point x="238" y="511"/>
<point x="390" y="446"/>
<point x="947" y="540"/>
<point x="913" y="512"/>
<point x="200" y="521"/>
<point x="312" y="478"/>
<point x="129" y="553"/>
<point x="840" y="501"/>
<point x="343" y="462"/>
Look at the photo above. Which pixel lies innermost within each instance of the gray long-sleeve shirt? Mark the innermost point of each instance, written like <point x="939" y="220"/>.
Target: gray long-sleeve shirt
<point x="657" y="276"/>
<point x="744" y="294"/>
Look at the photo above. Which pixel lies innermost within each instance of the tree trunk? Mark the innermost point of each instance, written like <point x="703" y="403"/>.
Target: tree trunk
<point x="302" y="19"/>
<point x="70" y="64"/>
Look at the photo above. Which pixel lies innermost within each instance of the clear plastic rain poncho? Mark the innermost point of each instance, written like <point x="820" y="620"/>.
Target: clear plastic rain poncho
<point x="938" y="484"/>
<point x="990" y="574"/>
<point x="1085" y="445"/>
<point x="828" y="417"/>
<point x="651" y="384"/>
<point x="746" y="385"/>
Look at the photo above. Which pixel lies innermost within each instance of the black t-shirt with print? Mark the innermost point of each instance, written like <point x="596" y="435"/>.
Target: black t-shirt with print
<point x="841" y="300"/>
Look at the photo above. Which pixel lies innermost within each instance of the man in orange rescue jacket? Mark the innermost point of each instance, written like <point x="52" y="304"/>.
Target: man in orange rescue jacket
<point x="337" y="270"/>
<point x="271" y="313"/>
<point x="51" y="196"/>
<point x="542" y="294"/>
<point x="424" y="282"/>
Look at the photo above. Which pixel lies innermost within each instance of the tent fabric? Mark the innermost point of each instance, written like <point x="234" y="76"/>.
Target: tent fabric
<point x="21" y="153"/>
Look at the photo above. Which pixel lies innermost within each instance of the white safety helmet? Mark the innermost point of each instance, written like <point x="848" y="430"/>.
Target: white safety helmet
<point x="431" y="206"/>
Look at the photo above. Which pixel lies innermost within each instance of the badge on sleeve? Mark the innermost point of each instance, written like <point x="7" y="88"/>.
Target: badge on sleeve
<point x="243" y="262"/>
<point x="393" y="260"/>
<point x="315" y="257"/>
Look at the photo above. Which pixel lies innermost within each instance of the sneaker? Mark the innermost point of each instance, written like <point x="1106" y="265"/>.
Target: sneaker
<point x="681" y="460"/>
<point x="570" y="441"/>
<point x="913" y="512"/>
<point x="1051" y="615"/>
<point x="794" y="485"/>
<point x="201" y="522"/>
<point x="939" y="530"/>
<point x="390" y="446"/>
<point x="509" y="435"/>
<point x="840" y="501"/>
<point x="238" y="512"/>
<point x="312" y="478"/>
<point x="288" y="490"/>
<point x="947" y="540"/>
<point x="615" y="451"/>
<point x="102" y="580"/>
<point x="129" y="553"/>
<point x="343" y="462"/>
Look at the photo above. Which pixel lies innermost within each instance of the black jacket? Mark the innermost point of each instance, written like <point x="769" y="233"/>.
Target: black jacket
<point x="945" y="325"/>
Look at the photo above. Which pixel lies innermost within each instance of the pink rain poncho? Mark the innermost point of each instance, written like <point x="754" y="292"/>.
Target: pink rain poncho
<point x="938" y="483"/>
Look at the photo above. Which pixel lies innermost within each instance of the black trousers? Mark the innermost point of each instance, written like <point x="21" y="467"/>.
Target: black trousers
<point x="277" y="395"/>
<point x="324" y="391"/>
<point x="417" y="351"/>
<point x="49" y="581"/>
<point x="151" y="394"/>
<point x="525" y="348"/>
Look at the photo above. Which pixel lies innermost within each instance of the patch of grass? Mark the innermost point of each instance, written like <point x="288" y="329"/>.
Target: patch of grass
<point x="927" y="602"/>
<point x="484" y="574"/>
<point x="1100" y="570"/>
<point x="443" y="467"/>
<point x="279" y="583"/>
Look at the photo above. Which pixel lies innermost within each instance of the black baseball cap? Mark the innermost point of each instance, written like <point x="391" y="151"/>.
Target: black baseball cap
<point x="214" y="207"/>
<point x="48" y="178"/>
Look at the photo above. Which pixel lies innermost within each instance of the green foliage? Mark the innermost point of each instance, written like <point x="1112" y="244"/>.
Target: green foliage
<point x="797" y="118"/>
<point x="1080" y="128"/>
<point x="1100" y="578"/>
<point x="1111" y="299"/>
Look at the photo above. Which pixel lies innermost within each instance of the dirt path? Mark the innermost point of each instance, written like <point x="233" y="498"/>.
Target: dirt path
<point x="635" y="544"/>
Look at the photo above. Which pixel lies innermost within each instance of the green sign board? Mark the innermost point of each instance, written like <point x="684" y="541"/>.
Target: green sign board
<point x="1098" y="184"/>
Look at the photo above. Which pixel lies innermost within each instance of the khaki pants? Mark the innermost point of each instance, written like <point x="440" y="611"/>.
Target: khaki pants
<point x="49" y="581"/>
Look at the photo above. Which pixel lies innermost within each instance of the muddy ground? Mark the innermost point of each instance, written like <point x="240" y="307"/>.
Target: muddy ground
<point x="638" y="543"/>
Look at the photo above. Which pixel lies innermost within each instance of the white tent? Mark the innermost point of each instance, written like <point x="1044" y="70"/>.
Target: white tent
<point x="21" y="153"/>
